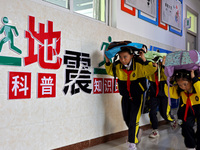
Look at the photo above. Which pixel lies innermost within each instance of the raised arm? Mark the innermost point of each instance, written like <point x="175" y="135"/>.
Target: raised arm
<point x="16" y="32"/>
<point x="196" y="82"/>
<point x="2" y="29"/>
<point x="172" y="91"/>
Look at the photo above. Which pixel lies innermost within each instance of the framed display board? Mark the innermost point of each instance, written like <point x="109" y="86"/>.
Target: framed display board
<point x="172" y="13"/>
<point x="147" y="6"/>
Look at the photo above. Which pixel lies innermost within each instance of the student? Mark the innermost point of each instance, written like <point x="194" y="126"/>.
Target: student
<point x="158" y="99"/>
<point x="131" y="72"/>
<point x="188" y="89"/>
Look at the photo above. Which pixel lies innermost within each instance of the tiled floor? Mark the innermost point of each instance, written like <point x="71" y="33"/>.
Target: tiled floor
<point x="168" y="140"/>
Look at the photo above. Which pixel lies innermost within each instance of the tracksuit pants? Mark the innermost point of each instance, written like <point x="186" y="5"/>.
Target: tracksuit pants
<point x="160" y="102"/>
<point x="191" y="138"/>
<point x="131" y="110"/>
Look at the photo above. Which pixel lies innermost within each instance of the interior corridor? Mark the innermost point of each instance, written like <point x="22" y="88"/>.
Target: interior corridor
<point x="168" y="140"/>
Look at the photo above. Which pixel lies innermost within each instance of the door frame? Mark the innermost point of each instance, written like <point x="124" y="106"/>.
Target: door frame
<point x="190" y="32"/>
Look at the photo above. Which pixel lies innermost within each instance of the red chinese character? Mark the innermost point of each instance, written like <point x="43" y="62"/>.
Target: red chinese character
<point x="46" y="85"/>
<point x="108" y="84"/>
<point x="19" y="85"/>
<point x="45" y="41"/>
<point x="115" y="89"/>
<point x="98" y="86"/>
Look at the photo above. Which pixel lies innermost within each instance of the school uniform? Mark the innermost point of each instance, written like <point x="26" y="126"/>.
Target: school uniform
<point x="158" y="100"/>
<point x="189" y="111"/>
<point x="132" y="85"/>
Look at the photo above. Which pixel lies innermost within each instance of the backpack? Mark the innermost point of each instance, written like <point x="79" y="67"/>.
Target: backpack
<point x="155" y="57"/>
<point x="116" y="47"/>
<point x="188" y="60"/>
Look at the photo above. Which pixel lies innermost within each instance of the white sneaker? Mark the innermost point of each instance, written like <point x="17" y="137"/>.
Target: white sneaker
<point x="154" y="134"/>
<point x="191" y="149"/>
<point x="132" y="146"/>
<point x="180" y="122"/>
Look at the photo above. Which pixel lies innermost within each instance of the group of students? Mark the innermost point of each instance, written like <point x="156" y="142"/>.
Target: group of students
<point x="132" y="69"/>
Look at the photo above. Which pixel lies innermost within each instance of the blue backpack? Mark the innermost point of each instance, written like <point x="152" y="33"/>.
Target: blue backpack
<point x="116" y="47"/>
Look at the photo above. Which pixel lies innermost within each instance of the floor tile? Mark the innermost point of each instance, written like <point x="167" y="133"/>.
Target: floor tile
<point x="168" y="140"/>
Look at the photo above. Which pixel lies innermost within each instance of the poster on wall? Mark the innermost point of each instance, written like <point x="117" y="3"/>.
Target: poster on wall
<point x="146" y="6"/>
<point x="171" y="13"/>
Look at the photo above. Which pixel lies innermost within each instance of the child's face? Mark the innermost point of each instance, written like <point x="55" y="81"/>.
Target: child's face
<point x="184" y="85"/>
<point x="125" y="58"/>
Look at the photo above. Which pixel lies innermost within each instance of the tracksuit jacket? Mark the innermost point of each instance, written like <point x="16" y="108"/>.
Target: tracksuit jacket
<point x="189" y="112"/>
<point x="132" y="85"/>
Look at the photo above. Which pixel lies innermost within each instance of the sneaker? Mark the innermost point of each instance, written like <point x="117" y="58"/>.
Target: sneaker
<point x="191" y="149"/>
<point x="154" y="134"/>
<point x="180" y="122"/>
<point x="174" y="125"/>
<point x="132" y="146"/>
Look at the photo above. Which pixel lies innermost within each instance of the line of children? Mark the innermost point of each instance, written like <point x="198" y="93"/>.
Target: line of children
<point x="131" y="72"/>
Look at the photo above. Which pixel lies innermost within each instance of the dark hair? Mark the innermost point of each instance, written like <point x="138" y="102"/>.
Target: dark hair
<point x="183" y="75"/>
<point x="126" y="49"/>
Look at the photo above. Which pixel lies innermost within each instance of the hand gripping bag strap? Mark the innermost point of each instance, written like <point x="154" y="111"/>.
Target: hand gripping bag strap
<point x="114" y="71"/>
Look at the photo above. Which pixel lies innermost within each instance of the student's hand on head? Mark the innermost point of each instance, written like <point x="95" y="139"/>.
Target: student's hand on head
<point x="163" y="61"/>
<point x="172" y="79"/>
<point x="144" y="49"/>
<point x="192" y="74"/>
<point x="141" y="53"/>
<point x="155" y="65"/>
<point x="107" y="59"/>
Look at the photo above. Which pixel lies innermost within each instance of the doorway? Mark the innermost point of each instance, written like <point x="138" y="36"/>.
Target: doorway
<point x="192" y="32"/>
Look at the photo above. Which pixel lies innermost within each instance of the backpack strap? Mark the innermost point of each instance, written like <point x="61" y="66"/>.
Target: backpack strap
<point x="168" y="83"/>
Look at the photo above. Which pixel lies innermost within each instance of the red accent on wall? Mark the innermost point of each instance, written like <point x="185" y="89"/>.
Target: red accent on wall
<point x="165" y="26"/>
<point x="19" y="85"/>
<point x="132" y="12"/>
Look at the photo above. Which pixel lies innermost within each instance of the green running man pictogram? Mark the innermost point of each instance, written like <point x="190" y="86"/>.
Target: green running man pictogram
<point x="9" y="35"/>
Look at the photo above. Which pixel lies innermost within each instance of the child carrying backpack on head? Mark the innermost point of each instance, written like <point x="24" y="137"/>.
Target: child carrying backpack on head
<point x="187" y="88"/>
<point x="158" y="99"/>
<point x="131" y="72"/>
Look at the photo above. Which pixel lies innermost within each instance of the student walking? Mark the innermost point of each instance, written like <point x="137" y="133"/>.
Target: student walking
<point x="158" y="101"/>
<point x="131" y="71"/>
<point x="187" y="88"/>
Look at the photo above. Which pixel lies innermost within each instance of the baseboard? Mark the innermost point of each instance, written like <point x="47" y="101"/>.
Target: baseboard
<point x="103" y="139"/>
